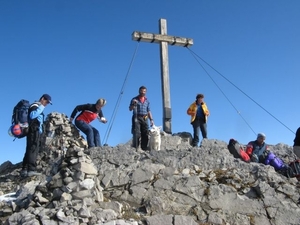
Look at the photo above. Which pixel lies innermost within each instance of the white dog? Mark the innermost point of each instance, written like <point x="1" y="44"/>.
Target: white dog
<point x="155" y="138"/>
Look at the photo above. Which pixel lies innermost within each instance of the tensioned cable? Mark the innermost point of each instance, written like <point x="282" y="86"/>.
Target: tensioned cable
<point x="110" y="124"/>
<point x="194" y="54"/>
<point x="224" y="94"/>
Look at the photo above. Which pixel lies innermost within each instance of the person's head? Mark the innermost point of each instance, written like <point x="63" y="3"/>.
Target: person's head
<point x="261" y="137"/>
<point x="142" y="91"/>
<point x="199" y="98"/>
<point x="100" y="103"/>
<point x="45" y="99"/>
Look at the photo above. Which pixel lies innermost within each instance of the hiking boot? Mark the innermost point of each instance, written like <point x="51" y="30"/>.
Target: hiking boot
<point x="23" y="173"/>
<point x="33" y="173"/>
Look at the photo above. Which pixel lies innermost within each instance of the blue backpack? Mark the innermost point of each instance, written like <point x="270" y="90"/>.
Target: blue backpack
<point x="19" y="120"/>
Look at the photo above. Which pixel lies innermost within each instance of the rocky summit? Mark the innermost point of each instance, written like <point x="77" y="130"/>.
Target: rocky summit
<point x="178" y="185"/>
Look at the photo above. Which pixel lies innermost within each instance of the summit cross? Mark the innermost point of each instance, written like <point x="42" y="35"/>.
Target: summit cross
<point x="164" y="40"/>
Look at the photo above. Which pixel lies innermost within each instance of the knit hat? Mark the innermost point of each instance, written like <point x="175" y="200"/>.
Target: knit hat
<point x="261" y="135"/>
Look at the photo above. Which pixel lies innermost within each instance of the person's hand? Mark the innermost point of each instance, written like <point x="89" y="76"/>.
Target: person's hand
<point x="254" y="158"/>
<point x="103" y="120"/>
<point x="134" y="101"/>
<point x="152" y="123"/>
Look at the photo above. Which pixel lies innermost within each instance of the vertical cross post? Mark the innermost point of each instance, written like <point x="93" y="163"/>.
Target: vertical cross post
<point x="164" y="40"/>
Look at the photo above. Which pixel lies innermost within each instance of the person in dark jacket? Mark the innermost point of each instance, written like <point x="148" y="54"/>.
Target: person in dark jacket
<point x="256" y="149"/>
<point x="260" y="152"/>
<point x="140" y="106"/>
<point x="88" y="113"/>
<point x="296" y="147"/>
<point x="35" y="129"/>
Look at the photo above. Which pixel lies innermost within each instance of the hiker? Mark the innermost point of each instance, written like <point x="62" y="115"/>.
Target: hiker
<point x="199" y="112"/>
<point x="88" y="113"/>
<point x="296" y="147"/>
<point x="256" y="149"/>
<point x="260" y="152"/>
<point x="140" y="106"/>
<point x="33" y="138"/>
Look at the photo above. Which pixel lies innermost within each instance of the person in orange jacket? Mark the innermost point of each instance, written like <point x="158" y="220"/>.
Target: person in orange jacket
<point x="199" y="112"/>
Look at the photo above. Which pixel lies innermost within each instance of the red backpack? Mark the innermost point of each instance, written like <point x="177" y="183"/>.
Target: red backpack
<point x="237" y="150"/>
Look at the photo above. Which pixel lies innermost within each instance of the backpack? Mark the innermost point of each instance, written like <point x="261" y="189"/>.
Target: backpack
<point x="295" y="167"/>
<point x="19" y="120"/>
<point x="273" y="160"/>
<point x="237" y="150"/>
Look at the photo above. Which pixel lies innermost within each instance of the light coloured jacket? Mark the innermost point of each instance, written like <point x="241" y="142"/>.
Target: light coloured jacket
<point x="192" y="111"/>
<point x="36" y="113"/>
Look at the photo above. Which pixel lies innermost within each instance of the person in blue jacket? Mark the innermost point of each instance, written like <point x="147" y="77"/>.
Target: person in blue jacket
<point x="35" y="129"/>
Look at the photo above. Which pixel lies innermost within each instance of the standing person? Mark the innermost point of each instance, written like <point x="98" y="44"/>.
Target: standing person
<point x="199" y="112"/>
<point x="140" y="106"/>
<point x="35" y="129"/>
<point x="296" y="147"/>
<point x="88" y="113"/>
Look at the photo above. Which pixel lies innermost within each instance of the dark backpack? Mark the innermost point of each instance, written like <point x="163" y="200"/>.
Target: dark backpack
<point x="237" y="150"/>
<point x="19" y="120"/>
<point x="295" y="167"/>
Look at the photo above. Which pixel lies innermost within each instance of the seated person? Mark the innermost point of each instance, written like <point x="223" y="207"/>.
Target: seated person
<point x="259" y="151"/>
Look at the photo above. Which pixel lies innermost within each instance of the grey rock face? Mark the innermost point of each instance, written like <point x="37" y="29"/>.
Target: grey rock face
<point x="177" y="185"/>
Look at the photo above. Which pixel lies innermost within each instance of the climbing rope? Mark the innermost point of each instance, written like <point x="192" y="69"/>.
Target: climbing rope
<point x="198" y="57"/>
<point x="110" y="124"/>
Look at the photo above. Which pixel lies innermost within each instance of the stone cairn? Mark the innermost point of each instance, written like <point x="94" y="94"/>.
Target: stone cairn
<point x="61" y="134"/>
<point x="68" y="192"/>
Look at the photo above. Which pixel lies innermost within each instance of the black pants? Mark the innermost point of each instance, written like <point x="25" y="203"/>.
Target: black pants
<point x="32" y="148"/>
<point x="139" y="130"/>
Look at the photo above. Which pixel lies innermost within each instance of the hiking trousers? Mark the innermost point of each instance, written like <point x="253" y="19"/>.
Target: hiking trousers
<point x="296" y="150"/>
<point x="139" y="130"/>
<point x="92" y="134"/>
<point x="32" y="148"/>
<point x="199" y="124"/>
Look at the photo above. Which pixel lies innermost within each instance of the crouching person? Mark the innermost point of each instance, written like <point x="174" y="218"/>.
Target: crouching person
<point x="88" y="113"/>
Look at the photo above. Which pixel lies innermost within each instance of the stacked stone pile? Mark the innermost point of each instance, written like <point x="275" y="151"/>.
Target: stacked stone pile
<point x="178" y="185"/>
<point x="61" y="134"/>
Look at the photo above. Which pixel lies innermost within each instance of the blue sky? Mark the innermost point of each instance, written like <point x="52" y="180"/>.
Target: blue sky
<point x="79" y="51"/>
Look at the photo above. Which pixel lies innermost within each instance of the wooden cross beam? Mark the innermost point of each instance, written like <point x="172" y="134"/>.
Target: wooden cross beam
<point x="164" y="40"/>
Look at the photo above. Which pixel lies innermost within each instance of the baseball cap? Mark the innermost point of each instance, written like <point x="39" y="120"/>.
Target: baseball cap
<point x="47" y="97"/>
